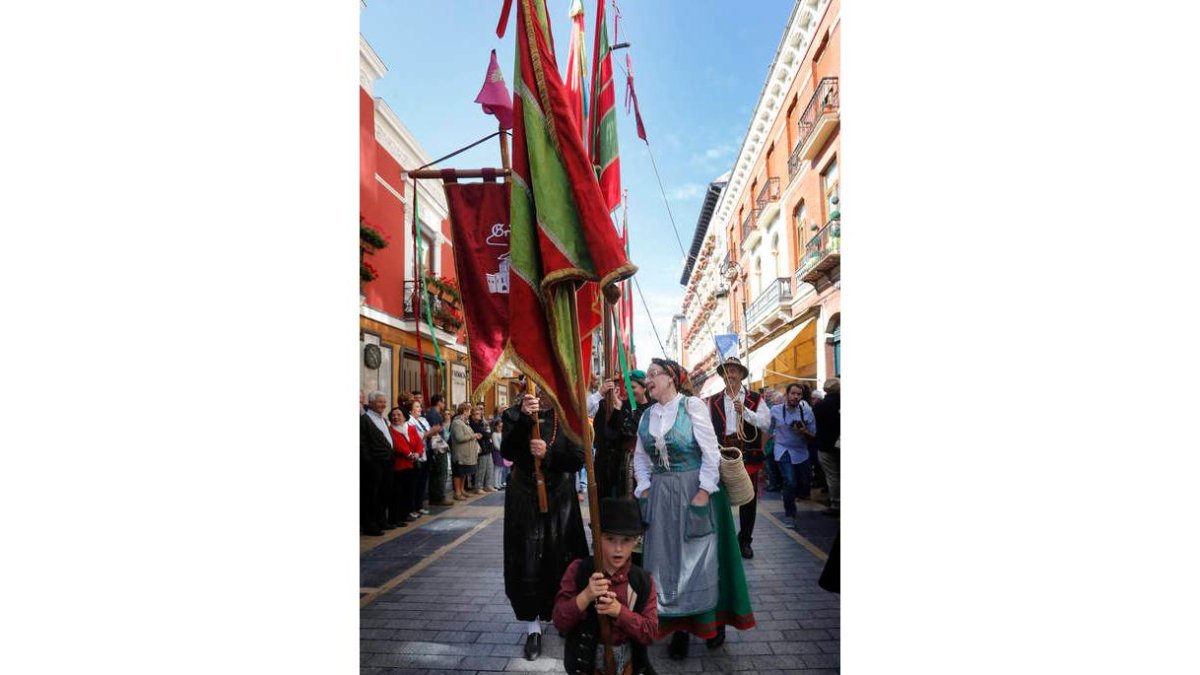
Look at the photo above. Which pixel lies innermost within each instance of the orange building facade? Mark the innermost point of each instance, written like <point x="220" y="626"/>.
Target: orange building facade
<point x="778" y="221"/>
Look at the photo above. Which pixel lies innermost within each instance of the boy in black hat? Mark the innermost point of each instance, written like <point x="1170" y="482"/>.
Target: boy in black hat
<point x="622" y="591"/>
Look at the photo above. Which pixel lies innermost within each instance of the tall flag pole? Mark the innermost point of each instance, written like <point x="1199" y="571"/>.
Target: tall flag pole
<point x="561" y="235"/>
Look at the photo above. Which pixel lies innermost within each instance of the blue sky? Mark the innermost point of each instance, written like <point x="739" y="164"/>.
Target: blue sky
<point x="698" y="68"/>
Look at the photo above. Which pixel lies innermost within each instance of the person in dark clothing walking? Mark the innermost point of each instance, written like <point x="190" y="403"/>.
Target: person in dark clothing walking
<point x="538" y="547"/>
<point x="828" y="412"/>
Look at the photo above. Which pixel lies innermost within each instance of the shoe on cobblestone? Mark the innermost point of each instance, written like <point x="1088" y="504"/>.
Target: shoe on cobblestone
<point x="747" y="552"/>
<point x="424" y="512"/>
<point x="533" y="646"/>
<point x="714" y="642"/>
<point x="678" y="648"/>
<point x="446" y="502"/>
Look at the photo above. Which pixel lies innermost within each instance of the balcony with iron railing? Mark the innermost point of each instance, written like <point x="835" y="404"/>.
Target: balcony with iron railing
<point x="816" y="125"/>
<point x="748" y="224"/>
<point x="822" y="253"/>
<point x="771" y="306"/>
<point x="445" y="312"/>
<point x="768" y="193"/>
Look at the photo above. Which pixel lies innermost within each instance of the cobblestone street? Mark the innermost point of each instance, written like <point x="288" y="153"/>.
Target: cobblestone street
<point x="433" y="600"/>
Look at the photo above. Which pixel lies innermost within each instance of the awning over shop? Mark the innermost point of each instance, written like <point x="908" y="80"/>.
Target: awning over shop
<point x="764" y="359"/>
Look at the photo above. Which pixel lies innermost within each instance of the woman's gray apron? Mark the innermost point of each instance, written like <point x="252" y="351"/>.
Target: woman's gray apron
<point x="681" y="544"/>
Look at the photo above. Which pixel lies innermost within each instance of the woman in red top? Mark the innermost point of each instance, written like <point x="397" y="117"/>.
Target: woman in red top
<point x="406" y="440"/>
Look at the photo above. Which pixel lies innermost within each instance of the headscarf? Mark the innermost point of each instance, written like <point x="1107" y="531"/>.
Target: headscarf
<point x="678" y="375"/>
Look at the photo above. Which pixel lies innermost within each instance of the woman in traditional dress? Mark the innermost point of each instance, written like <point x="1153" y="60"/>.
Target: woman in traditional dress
<point x="691" y="546"/>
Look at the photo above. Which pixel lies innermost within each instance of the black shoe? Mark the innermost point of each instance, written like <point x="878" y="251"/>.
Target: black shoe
<point x="533" y="646"/>
<point x="678" y="648"/>
<point x="717" y="641"/>
<point x="747" y="552"/>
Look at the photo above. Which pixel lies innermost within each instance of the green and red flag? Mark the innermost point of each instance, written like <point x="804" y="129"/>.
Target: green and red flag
<point x="576" y="75"/>
<point x="561" y="232"/>
<point x="602" y="139"/>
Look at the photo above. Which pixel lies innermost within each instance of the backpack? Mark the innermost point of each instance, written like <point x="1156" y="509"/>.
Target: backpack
<point x="579" y="650"/>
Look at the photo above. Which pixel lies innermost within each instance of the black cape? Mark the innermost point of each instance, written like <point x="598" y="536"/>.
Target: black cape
<point x="616" y="437"/>
<point x="538" y="547"/>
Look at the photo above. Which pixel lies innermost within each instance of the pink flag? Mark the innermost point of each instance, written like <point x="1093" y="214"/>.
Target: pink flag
<point x="495" y="97"/>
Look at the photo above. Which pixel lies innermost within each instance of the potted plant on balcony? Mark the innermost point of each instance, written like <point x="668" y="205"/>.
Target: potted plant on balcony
<point x="448" y="318"/>
<point x="370" y="239"/>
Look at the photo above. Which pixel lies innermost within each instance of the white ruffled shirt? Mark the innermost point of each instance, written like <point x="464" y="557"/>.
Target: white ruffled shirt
<point x="662" y="418"/>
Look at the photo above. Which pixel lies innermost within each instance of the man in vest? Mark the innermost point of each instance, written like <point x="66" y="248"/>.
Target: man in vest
<point x="729" y="408"/>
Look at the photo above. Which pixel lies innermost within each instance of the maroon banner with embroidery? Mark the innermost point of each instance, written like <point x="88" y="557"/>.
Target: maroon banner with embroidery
<point x="479" y="229"/>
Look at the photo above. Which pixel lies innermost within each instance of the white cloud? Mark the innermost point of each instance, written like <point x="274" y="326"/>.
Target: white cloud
<point x="687" y="191"/>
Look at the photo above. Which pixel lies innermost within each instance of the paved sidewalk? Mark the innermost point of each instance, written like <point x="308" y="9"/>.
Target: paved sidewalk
<point x="433" y="601"/>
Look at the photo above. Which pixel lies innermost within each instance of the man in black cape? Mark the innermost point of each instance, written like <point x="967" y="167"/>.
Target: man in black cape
<point x="538" y="547"/>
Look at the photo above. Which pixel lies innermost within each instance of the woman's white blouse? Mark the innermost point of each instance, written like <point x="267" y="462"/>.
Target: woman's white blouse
<point x="662" y="418"/>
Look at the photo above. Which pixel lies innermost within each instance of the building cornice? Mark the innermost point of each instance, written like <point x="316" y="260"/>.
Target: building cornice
<point x="408" y="153"/>
<point x="789" y="57"/>
<point x="370" y="66"/>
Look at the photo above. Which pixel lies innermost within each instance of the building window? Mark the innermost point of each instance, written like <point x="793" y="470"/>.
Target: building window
<point x="829" y="185"/>
<point x="775" y="252"/>
<point x="427" y="257"/>
<point x="799" y="218"/>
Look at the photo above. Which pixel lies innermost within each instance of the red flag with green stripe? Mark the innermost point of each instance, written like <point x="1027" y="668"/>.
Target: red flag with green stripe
<point x="561" y="232"/>
<point x="602" y="141"/>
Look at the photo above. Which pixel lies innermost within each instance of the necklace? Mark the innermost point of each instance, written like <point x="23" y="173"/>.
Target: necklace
<point x="554" y="433"/>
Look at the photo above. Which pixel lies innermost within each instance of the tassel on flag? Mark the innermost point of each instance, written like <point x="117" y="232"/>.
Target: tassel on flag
<point x="494" y="95"/>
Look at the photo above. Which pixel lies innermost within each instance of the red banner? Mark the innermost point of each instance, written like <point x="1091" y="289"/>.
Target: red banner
<point x="479" y="229"/>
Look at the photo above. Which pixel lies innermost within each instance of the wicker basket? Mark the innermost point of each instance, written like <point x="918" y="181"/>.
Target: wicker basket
<point x="736" y="481"/>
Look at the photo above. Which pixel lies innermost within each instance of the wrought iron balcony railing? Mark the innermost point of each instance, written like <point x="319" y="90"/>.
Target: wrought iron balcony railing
<point x="768" y="193"/>
<point x="748" y="223"/>
<point x="824" y="100"/>
<point x="770" y="300"/>
<point x="822" y="253"/>
<point x="794" y="162"/>
<point x="442" y="311"/>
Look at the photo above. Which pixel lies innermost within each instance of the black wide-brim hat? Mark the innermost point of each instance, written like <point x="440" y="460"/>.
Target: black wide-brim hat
<point x="733" y="362"/>
<point x="621" y="515"/>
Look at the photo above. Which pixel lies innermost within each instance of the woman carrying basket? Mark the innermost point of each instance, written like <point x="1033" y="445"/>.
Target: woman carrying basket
<point x="691" y="547"/>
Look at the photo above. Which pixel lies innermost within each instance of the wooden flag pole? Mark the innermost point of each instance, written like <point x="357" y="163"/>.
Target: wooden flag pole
<point x="593" y="494"/>
<point x="538" y="476"/>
